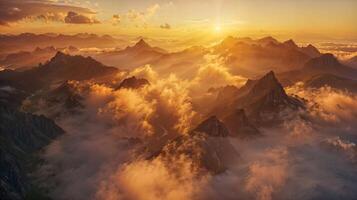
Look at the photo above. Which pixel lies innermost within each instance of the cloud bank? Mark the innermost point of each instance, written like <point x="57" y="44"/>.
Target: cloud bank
<point x="104" y="153"/>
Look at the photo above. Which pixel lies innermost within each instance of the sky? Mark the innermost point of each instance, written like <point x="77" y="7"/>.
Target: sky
<point x="180" y="18"/>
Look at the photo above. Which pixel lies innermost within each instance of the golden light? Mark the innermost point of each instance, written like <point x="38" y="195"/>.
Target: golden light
<point x="217" y="28"/>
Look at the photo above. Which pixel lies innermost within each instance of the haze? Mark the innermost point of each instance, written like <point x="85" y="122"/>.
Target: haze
<point x="196" y="100"/>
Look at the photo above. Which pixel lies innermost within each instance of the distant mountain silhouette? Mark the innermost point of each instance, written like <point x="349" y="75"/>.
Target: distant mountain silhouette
<point x="331" y="81"/>
<point x="179" y="62"/>
<point x="24" y="60"/>
<point x="250" y="58"/>
<point x="291" y="44"/>
<point x="311" y="51"/>
<point x="324" y="64"/>
<point x="60" y="68"/>
<point x="132" y="56"/>
<point x="29" y="41"/>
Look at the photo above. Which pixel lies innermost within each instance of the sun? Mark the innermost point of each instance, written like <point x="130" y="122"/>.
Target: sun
<point x="217" y="28"/>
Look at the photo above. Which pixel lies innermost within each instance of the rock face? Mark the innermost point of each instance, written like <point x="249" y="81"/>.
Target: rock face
<point x="67" y="95"/>
<point x="261" y="100"/>
<point x="207" y="147"/>
<point x="239" y="125"/>
<point x="267" y="94"/>
<point x="21" y="135"/>
<point x="60" y="101"/>
<point x="212" y="127"/>
<point x="133" y="83"/>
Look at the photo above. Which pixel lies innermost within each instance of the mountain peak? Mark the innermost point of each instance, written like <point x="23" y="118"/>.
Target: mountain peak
<point x="58" y="57"/>
<point x="269" y="76"/>
<point x="268" y="40"/>
<point x="141" y="44"/>
<point x="133" y="82"/>
<point x="324" y="61"/>
<point x="268" y="83"/>
<point x="60" y="54"/>
<point x="213" y="127"/>
<point x="290" y="43"/>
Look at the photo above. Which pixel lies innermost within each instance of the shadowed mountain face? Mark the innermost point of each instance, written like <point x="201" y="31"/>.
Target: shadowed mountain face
<point x="207" y="146"/>
<point x="133" y="56"/>
<point x="259" y="99"/>
<point x="133" y="82"/>
<point x="352" y="62"/>
<point x="333" y="81"/>
<point x="253" y="57"/>
<point x="60" y="68"/>
<point x="213" y="127"/>
<point x="21" y="135"/>
<point x="62" y="100"/>
<point x="325" y="64"/>
<point x="239" y="125"/>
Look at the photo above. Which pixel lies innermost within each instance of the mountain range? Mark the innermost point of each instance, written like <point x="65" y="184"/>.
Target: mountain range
<point x="11" y="43"/>
<point x="324" y="64"/>
<point x="23" y="60"/>
<point x="60" y="68"/>
<point x="250" y="58"/>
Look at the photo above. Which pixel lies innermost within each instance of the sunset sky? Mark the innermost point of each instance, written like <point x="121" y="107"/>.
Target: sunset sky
<point x="302" y="19"/>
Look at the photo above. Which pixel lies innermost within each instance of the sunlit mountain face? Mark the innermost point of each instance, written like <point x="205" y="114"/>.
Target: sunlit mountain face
<point x="196" y="100"/>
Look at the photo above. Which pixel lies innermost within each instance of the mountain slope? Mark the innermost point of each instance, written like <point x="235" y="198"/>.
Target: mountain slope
<point x="238" y="124"/>
<point x="260" y="99"/>
<point x="206" y="146"/>
<point x="332" y="81"/>
<point x="252" y="58"/>
<point x="60" y="68"/>
<point x="21" y="135"/>
<point x="132" y="56"/>
<point x="324" y="64"/>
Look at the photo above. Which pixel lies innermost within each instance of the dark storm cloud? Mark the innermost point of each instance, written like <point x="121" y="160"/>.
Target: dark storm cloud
<point x="12" y="11"/>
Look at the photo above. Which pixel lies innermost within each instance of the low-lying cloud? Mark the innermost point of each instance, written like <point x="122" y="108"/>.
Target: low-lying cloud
<point x="104" y="153"/>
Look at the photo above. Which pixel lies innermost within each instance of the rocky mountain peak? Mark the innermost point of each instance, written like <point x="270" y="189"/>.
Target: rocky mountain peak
<point x="133" y="82"/>
<point x="141" y="44"/>
<point x="212" y="127"/>
<point x="267" y="82"/>
<point x="290" y="43"/>
<point x="59" y="55"/>
<point x="268" y="40"/>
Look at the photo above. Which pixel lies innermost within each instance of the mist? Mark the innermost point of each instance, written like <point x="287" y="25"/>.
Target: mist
<point x="103" y="154"/>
